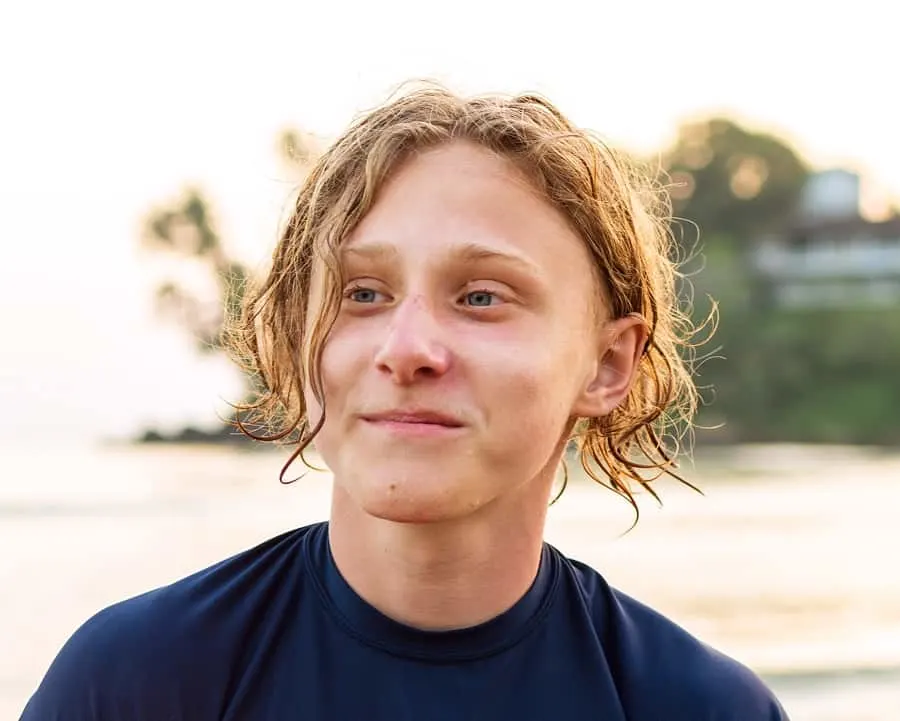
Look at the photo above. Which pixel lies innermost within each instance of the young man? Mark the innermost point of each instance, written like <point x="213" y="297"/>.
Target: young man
<point x="465" y="286"/>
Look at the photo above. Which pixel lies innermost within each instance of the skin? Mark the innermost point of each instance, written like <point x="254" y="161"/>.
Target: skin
<point x="469" y="296"/>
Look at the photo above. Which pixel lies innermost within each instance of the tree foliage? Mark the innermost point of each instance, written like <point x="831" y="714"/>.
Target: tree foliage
<point x="731" y="181"/>
<point x="185" y="228"/>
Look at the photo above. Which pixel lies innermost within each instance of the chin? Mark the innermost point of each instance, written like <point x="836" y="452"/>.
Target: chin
<point x="412" y="514"/>
<point x="407" y="499"/>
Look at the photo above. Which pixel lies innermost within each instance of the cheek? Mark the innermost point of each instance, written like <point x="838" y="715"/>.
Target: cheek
<point x="536" y="396"/>
<point x="326" y="373"/>
<point x="339" y="370"/>
<point x="323" y="441"/>
<point x="313" y="407"/>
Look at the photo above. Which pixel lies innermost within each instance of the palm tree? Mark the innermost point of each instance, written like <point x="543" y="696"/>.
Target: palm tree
<point x="185" y="229"/>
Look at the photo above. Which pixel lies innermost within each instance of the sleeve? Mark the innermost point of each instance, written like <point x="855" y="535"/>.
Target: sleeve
<point x="777" y="712"/>
<point x="101" y="674"/>
<point x="741" y="695"/>
<point x="72" y="688"/>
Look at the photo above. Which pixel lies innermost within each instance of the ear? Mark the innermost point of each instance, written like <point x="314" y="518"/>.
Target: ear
<point x="618" y="356"/>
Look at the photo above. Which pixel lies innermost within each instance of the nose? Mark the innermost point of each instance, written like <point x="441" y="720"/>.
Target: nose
<point x="413" y="348"/>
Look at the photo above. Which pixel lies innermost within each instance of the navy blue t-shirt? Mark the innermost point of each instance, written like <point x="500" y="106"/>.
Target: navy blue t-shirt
<point x="276" y="634"/>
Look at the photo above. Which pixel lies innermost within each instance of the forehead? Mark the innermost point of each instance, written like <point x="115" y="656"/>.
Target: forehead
<point x="468" y="201"/>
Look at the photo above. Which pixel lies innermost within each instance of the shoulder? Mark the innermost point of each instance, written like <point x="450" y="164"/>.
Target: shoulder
<point x="660" y="667"/>
<point x="131" y="660"/>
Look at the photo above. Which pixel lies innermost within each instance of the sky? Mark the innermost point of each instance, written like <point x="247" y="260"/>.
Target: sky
<point x="112" y="108"/>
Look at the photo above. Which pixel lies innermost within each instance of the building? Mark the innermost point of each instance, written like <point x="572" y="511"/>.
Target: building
<point x="831" y="256"/>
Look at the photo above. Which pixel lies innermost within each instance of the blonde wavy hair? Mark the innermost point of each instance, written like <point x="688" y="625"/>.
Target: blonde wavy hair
<point x="620" y="213"/>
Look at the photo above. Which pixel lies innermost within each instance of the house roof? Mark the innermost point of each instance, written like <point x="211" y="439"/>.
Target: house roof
<point x="855" y="225"/>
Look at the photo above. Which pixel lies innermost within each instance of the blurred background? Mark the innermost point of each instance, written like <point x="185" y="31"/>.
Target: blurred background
<point x="148" y="152"/>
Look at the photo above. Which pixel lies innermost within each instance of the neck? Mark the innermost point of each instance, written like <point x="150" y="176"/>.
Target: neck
<point x="445" y="575"/>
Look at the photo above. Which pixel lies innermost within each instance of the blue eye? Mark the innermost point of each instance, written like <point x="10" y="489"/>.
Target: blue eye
<point x="481" y="298"/>
<point x="362" y="295"/>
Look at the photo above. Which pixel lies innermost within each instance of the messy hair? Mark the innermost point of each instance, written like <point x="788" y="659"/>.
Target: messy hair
<point x="621" y="214"/>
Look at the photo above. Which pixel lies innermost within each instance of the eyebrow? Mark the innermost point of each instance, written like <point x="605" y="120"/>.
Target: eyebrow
<point x="467" y="252"/>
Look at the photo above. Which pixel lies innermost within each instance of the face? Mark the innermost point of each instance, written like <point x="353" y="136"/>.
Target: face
<point x="467" y="341"/>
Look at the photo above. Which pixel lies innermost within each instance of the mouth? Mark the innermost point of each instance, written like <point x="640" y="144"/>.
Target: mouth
<point x="411" y="419"/>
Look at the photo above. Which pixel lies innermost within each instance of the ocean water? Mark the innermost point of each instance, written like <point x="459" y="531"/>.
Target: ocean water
<point x="788" y="562"/>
